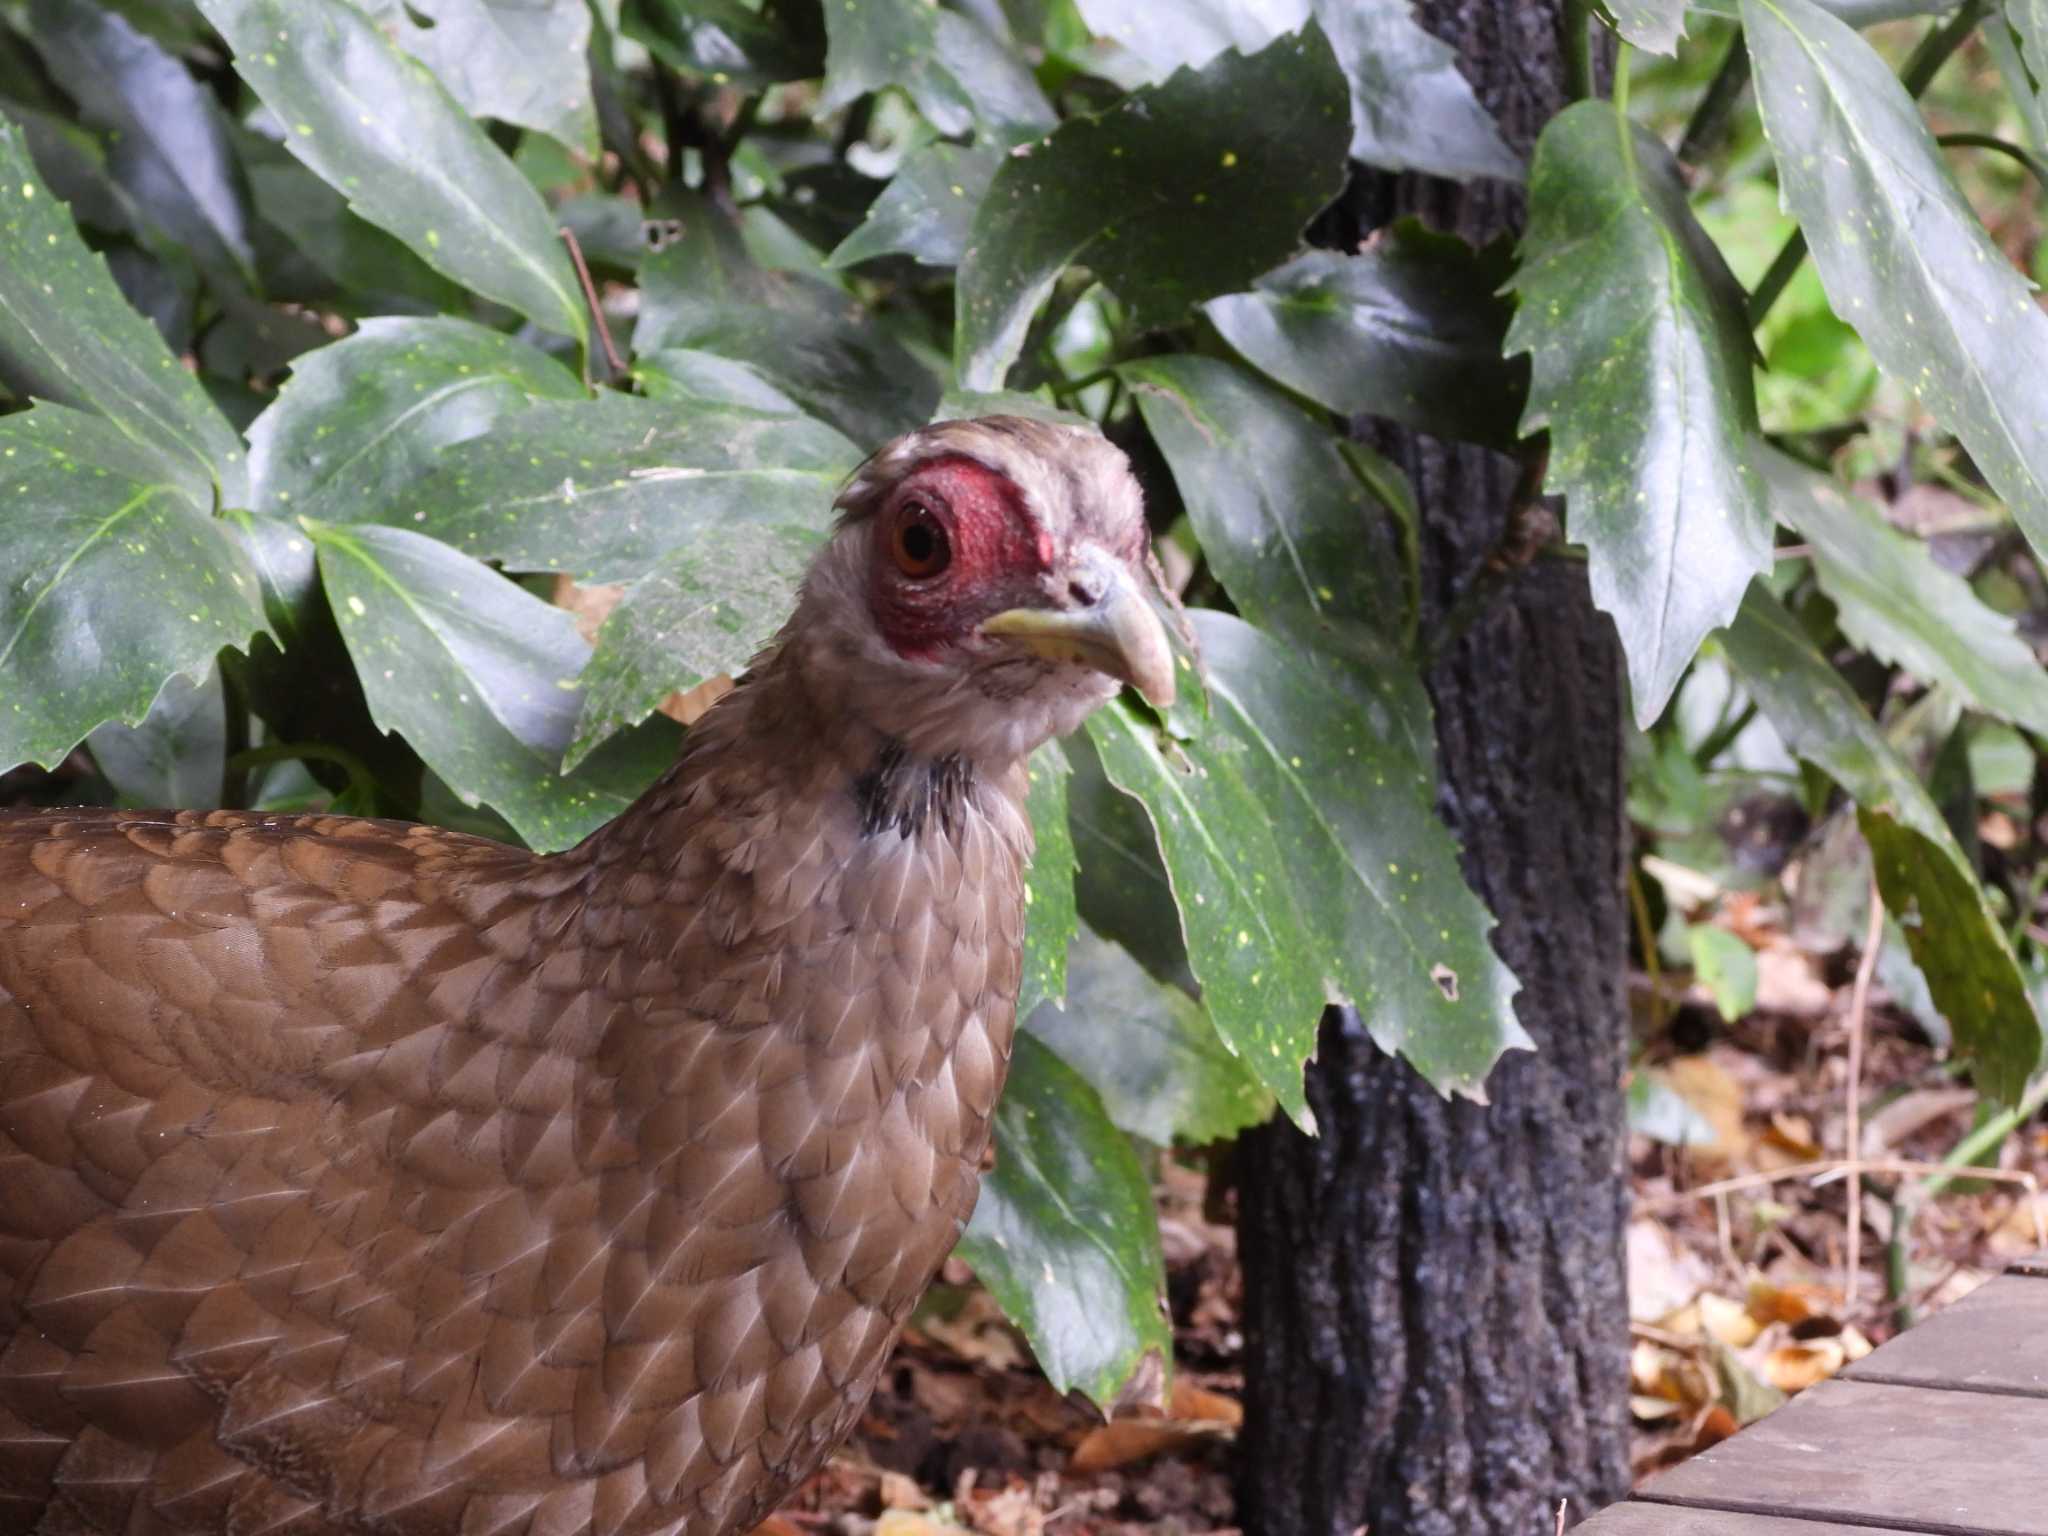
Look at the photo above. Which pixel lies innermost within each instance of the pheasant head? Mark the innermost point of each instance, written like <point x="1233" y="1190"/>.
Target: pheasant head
<point x="985" y="589"/>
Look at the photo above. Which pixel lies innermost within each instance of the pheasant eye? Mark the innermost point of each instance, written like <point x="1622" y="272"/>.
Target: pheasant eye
<point x="920" y="546"/>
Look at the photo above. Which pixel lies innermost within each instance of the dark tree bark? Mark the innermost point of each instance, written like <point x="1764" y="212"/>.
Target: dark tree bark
<point x="1435" y="1318"/>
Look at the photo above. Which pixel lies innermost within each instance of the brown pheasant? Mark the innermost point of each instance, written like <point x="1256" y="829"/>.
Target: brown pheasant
<point x="364" y="1177"/>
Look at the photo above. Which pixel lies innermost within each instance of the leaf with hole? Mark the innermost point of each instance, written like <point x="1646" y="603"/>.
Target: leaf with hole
<point x="1290" y="792"/>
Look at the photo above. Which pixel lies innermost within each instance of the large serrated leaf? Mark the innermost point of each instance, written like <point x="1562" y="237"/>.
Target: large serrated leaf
<point x="167" y="148"/>
<point x="1147" y="1049"/>
<point x="1065" y="1235"/>
<point x="377" y="126"/>
<point x="361" y="419"/>
<point x="1182" y="191"/>
<point x="1411" y="109"/>
<point x="1121" y="889"/>
<point x="1927" y="882"/>
<point x="1049" y="919"/>
<point x="175" y="756"/>
<point x="1409" y="328"/>
<point x="480" y="676"/>
<point x="1289" y="793"/>
<point x="704" y="608"/>
<point x="805" y="336"/>
<point x="948" y="64"/>
<point x="927" y="210"/>
<point x="520" y="61"/>
<point x="352" y="253"/>
<point x="1641" y="372"/>
<point x="67" y="335"/>
<point x="1903" y="257"/>
<point x="600" y="489"/>
<point x="1893" y="600"/>
<point x="2029" y="19"/>
<point x="111" y="579"/>
<point x="1300" y="541"/>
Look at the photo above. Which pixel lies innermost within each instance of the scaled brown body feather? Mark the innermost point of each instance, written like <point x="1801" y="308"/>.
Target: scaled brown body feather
<point x="362" y="1177"/>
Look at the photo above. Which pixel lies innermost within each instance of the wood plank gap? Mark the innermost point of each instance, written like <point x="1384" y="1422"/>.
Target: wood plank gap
<point x="2032" y="1269"/>
<point x="1983" y="1389"/>
<point x="1820" y="1517"/>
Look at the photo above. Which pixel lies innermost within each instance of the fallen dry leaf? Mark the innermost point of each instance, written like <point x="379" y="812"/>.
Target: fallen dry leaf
<point x="1794" y="1303"/>
<point x="904" y="1522"/>
<point x="1727" y="1321"/>
<point x="1134" y="1440"/>
<point x="900" y="1492"/>
<point x="1795" y="1367"/>
<point x="1786" y="982"/>
<point x="1709" y="1088"/>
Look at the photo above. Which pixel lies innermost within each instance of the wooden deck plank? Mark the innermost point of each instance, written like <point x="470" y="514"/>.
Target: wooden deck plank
<point x="1670" y="1520"/>
<point x="1907" y="1458"/>
<point x="1993" y="1340"/>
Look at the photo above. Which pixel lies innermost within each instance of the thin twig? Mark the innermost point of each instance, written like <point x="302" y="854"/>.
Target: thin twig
<point x="1836" y="1167"/>
<point x="1859" y="1018"/>
<point x="604" y="331"/>
<point x="1717" y="103"/>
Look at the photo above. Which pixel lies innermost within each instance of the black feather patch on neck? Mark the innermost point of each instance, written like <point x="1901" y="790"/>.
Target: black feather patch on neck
<point x="908" y="793"/>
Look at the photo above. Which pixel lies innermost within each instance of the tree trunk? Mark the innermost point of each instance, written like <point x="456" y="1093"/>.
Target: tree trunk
<point x="1435" y="1316"/>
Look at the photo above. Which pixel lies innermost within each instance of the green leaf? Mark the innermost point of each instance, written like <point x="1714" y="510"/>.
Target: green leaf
<point x="600" y="489"/>
<point x="1049" y="919"/>
<point x="1901" y="254"/>
<point x="520" y="61"/>
<point x="677" y="373"/>
<point x="1411" y="107"/>
<point x="1310" y="867"/>
<point x="1191" y="32"/>
<point x="1725" y="966"/>
<point x="1065" y="1235"/>
<point x="167" y="148"/>
<point x="1298" y="539"/>
<point x="1655" y="25"/>
<point x="477" y="674"/>
<point x="2029" y="22"/>
<point x="1410" y="328"/>
<point x="1147" y="1049"/>
<point x="377" y="126"/>
<point x="949" y="65"/>
<point x="67" y="335"/>
<point x="927" y="210"/>
<point x="802" y="334"/>
<point x="363" y="418"/>
<point x="175" y="757"/>
<point x="1894" y="601"/>
<point x="1120" y="884"/>
<point x="1183" y="191"/>
<point x="729" y="41"/>
<point x="705" y="607"/>
<point x="111" y="579"/>
<point x="1642" y="375"/>
<point x="353" y="254"/>
<point x="73" y="164"/>
<point x="1956" y="939"/>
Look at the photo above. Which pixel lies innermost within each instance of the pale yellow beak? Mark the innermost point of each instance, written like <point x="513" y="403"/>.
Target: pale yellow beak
<point x="1115" y="631"/>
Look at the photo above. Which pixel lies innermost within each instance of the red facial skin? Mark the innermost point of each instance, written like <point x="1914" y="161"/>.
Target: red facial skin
<point x="998" y="553"/>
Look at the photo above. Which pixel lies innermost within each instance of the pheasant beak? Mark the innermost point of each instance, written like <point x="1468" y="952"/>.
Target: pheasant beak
<point x="1109" y="627"/>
